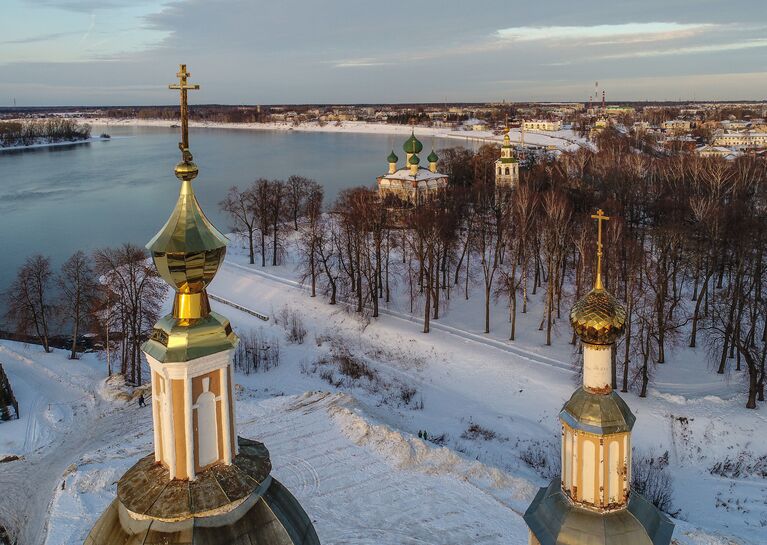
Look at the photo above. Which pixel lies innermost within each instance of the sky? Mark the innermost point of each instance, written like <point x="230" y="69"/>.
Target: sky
<point x="125" y="52"/>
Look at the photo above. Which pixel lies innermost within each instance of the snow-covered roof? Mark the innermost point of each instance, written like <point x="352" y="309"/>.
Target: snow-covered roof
<point x="423" y="174"/>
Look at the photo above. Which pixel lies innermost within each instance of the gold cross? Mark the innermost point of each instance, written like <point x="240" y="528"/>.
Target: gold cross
<point x="600" y="217"/>
<point x="184" y="87"/>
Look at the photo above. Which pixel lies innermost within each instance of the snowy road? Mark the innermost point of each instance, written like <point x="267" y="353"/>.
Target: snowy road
<point x="61" y="420"/>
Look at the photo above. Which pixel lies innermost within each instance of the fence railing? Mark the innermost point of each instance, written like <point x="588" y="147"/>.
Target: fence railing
<point x="258" y="315"/>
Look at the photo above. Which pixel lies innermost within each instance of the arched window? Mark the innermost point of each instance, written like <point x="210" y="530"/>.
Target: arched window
<point x="207" y="426"/>
<point x="507" y="171"/>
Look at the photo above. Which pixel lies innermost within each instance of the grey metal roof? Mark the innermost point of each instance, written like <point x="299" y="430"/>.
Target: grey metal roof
<point x="555" y="520"/>
<point x="276" y="518"/>
<point x="146" y="488"/>
<point x="597" y="413"/>
<point x="239" y="504"/>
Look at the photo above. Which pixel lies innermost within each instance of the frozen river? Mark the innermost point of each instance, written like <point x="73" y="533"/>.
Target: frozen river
<point x="57" y="200"/>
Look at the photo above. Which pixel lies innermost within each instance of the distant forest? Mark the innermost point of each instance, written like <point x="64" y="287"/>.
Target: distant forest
<point x="27" y="133"/>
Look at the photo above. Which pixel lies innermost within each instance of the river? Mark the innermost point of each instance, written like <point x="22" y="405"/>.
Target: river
<point x="56" y="200"/>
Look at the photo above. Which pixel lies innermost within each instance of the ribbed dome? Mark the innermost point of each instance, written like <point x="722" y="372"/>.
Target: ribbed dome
<point x="598" y="318"/>
<point x="392" y="157"/>
<point x="241" y="503"/>
<point x="596" y="413"/>
<point x="412" y="145"/>
<point x="414" y="160"/>
<point x="555" y="520"/>
<point x="433" y="157"/>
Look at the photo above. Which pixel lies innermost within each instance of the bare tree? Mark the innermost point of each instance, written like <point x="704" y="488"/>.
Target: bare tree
<point x="262" y="205"/>
<point x="296" y="191"/>
<point x="77" y="284"/>
<point x="276" y="213"/>
<point x="310" y="235"/>
<point x="241" y="208"/>
<point x="28" y="299"/>
<point x="130" y="281"/>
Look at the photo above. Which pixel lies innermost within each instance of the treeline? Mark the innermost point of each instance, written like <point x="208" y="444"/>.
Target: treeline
<point x="215" y="114"/>
<point x="685" y="251"/>
<point x="114" y="295"/>
<point x="260" y="211"/>
<point x="39" y="131"/>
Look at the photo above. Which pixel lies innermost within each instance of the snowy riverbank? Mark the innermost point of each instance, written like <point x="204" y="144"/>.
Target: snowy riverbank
<point x="561" y="140"/>
<point x="39" y="145"/>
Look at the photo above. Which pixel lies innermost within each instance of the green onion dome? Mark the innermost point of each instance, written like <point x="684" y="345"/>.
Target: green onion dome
<point x="392" y="157"/>
<point x="412" y="145"/>
<point x="414" y="160"/>
<point x="433" y="157"/>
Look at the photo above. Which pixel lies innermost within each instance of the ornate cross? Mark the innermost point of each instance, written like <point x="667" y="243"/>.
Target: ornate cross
<point x="600" y="217"/>
<point x="184" y="87"/>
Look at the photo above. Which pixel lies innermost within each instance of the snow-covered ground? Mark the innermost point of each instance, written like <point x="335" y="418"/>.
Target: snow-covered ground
<point x="349" y="450"/>
<point x="564" y="139"/>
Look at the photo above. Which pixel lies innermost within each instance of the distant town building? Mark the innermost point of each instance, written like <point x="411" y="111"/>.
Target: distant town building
<point x="542" y="125"/>
<point x="412" y="184"/>
<point x="741" y="139"/>
<point x="475" y="125"/>
<point x="619" y="110"/>
<point x="677" y="126"/>
<point x="717" y="151"/>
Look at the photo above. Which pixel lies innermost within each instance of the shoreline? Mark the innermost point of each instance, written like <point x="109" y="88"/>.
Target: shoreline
<point x="564" y="140"/>
<point x="54" y="144"/>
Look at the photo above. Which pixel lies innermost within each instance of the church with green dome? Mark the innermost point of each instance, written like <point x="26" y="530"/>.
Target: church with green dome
<point x="412" y="184"/>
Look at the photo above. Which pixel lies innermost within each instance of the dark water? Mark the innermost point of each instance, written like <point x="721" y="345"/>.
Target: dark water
<point x="57" y="200"/>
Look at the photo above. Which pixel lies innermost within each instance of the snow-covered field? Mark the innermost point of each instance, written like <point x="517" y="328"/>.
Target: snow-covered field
<point x="349" y="450"/>
<point x="564" y="139"/>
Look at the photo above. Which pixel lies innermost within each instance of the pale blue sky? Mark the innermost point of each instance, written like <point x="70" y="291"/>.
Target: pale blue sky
<point x="251" y="51"/>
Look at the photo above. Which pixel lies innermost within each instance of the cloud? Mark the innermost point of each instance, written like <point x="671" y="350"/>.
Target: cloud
<point x="690" y="50"/>
<point x="359" y="63"/>
<point x="623" y="33"/>
<point x="41" y="38"/>
<point x="87" y="6"/>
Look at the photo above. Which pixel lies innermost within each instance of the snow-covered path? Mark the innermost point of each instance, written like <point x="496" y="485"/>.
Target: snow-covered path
<point x="62" y="417"/>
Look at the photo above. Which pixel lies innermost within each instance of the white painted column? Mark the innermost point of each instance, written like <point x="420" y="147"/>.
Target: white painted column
<point x="576" y="444"/>
<point x="226" y="424"/>
<point x="602" y="487"/>
<point x="233" y="397"/>
<point x="189" y="435"/>
<point x="171" y="432"/>
<point x="156" y="412"/>
<point x="597" y="368"/>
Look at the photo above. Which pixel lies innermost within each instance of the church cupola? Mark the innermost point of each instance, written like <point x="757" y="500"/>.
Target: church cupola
<point x="412" y="162"/>
<point x="411" y="147"/>
<point x="592" y="500"/>
<point x="432" y="158"/>
<point x="392" y="159"/>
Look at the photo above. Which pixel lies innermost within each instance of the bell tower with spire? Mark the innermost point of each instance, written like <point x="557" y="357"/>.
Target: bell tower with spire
<point x="507" y="166"/>
<point x="189" y="350"/>
<point x="202" y="483"/>
<point x="592" y="500"/>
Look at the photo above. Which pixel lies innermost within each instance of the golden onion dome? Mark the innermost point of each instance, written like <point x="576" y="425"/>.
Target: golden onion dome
<point x="598" y="318"/>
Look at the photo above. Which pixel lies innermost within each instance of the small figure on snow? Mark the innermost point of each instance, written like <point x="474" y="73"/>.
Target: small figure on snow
<point x="141" y="402"/>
